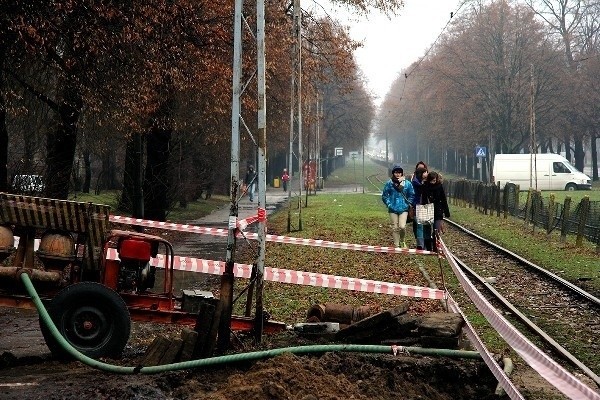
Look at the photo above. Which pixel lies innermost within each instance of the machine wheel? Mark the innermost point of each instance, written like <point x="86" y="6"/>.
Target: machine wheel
<point x="92" y="318"/>
<point x="571" y="187"/>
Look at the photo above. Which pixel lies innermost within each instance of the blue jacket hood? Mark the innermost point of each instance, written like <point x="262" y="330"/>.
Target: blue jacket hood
<point x="396" y="167"/>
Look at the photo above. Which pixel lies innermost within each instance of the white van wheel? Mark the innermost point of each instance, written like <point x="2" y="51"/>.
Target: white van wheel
<point x="571" y="187"/>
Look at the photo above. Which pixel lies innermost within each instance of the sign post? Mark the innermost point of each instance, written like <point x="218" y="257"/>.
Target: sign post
<point x="480" y="153"/>
<point x="354" y="156"/>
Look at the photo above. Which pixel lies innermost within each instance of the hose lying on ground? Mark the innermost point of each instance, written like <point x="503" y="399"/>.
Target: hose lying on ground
<point x="232" y="358"/>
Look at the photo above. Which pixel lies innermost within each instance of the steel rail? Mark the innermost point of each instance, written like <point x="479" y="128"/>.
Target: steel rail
<point x="579" y="291"/>
<point x="375" y="176"/>
<point x="530" y="324"/>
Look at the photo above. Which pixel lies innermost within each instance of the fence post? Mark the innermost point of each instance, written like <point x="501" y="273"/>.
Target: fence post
<point x="497" y="199"/>
<point x="469" y="187"/>
<point x="505" y="194"/>
<point x="551" y="213"/>
<point x="517" y="200"/>
<point x="565" y="219"/>
<point x="536" y="198"/>
<point x="528" y="205"/>
<point x="583" y="215"/>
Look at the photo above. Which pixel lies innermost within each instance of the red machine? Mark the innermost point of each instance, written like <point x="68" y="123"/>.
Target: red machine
<point x="91" y="294"/>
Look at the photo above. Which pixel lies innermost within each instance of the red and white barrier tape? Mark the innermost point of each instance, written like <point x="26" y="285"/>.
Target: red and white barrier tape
<point x="556" y="375"/>
<point x="488" y="358"/>
<point x="268" y="238"/>
<point x="242" y="224"/>
<point x="296" y="277"/>
<point x="339" y="245"/>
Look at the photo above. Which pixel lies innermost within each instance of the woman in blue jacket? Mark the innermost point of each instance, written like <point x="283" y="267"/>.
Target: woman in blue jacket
<point x="397" y="195"/>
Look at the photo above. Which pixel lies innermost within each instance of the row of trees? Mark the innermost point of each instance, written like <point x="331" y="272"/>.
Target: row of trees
<point x="510" y="75"/>
<point x="137" y="94"/>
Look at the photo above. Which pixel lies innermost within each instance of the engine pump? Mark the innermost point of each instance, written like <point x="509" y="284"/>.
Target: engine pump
<point x="135" y="273"/>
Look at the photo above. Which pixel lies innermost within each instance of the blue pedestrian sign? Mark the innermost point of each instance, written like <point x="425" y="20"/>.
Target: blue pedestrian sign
<point x="480" y="151"/>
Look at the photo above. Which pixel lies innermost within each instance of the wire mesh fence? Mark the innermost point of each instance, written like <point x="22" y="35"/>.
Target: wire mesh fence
<point x="582" y="219"/>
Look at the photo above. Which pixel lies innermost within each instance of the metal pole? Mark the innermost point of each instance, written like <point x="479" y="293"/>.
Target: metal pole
<point x="355" y="181"/>
<point x="318" y="146"/>
<point x="533" y="149"/>
<point x="262" y="166"/>
<point x="294" y="98"/>
<point x="226" y="293"/>
<point x="387" y="160"/>
<point x="298" y="55"/>
<point x="363" y="177"/>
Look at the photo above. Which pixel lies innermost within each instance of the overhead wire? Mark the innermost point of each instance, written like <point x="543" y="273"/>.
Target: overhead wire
<point x="418" y="63"/>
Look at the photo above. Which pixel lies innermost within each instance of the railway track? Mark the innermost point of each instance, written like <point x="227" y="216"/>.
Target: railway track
<point x="560" y="316"/>
<point x="376" y="182"/>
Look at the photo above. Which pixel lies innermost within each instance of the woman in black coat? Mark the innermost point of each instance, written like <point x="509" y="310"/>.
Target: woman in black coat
<point x="433" y="192"/>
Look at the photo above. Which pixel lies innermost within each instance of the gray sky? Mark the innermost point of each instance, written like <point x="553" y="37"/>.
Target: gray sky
<point x="390" y="45"/>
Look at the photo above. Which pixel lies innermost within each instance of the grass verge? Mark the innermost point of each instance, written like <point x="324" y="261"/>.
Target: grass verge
<point x="193" y="210"/>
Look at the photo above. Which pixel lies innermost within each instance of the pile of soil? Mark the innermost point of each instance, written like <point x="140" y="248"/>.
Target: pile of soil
<point x="288" y="376"/>
<point x="328" y="376"/>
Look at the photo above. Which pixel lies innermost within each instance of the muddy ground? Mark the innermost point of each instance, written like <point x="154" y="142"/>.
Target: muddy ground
<point x="28" y="371"/>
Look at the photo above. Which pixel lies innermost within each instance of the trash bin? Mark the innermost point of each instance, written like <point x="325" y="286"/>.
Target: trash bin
<point x="276" y="182"/>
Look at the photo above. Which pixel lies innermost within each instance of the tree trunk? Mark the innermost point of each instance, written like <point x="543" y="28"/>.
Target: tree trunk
<point x="132" y="196"/>
<point x="105" y="182"/>
<point x="594" y="158"/>
<point x="568" y="148"/>
<point x="61" y="144"/>
<point x="450" y="160"/>
<point x="111" y="171"/>
<point x="3" y="131"/>
<point x="579" y="154"/>
<point x="87" y="167"/>
<point x="156" y="179"/>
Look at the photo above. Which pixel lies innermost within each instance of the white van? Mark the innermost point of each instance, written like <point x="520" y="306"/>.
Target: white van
<point x="554" y="172"/>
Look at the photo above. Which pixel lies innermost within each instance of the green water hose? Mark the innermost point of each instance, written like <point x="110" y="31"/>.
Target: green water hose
<point x="232" y="358"/>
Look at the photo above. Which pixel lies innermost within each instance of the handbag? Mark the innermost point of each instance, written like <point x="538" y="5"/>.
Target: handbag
<point x="411" y="211"/>
<point x="425" y="213"/>
<point x="411" y="214"/>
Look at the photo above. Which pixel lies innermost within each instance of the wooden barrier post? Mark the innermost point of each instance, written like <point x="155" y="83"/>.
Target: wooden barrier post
<point x="528" y="205"/>
<point x="583" y="216"/>
<point x="517" y="197"/>
<point x="551" y="213"/>
<point x="565" y="219"/>
<point x="498" y="199"/>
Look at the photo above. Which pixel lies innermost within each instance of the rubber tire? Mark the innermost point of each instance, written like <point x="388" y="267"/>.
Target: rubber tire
<point x="571" y="187"/>
<point x="98" y="304"/>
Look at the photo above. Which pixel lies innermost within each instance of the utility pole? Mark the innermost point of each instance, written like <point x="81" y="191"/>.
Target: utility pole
<point x="224" y="309"/>
<point x="318" y="144"/>
<point x="262" y="167"/>
<point x="532" y="143"/>
<point x="296" y="112"/>
<point x="387" y="160"/>
<point x="363" y="167"/>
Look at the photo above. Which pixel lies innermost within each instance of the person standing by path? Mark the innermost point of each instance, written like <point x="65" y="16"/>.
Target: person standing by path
<point x="397" y="195"/>
<point x="284" y="179"/>
<point x="250" y="182"/>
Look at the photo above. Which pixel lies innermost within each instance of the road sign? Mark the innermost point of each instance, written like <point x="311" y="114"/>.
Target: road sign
<point x="480" y="151"/>
<point x="339" y="151"/>
<point x="354" y="154"/>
